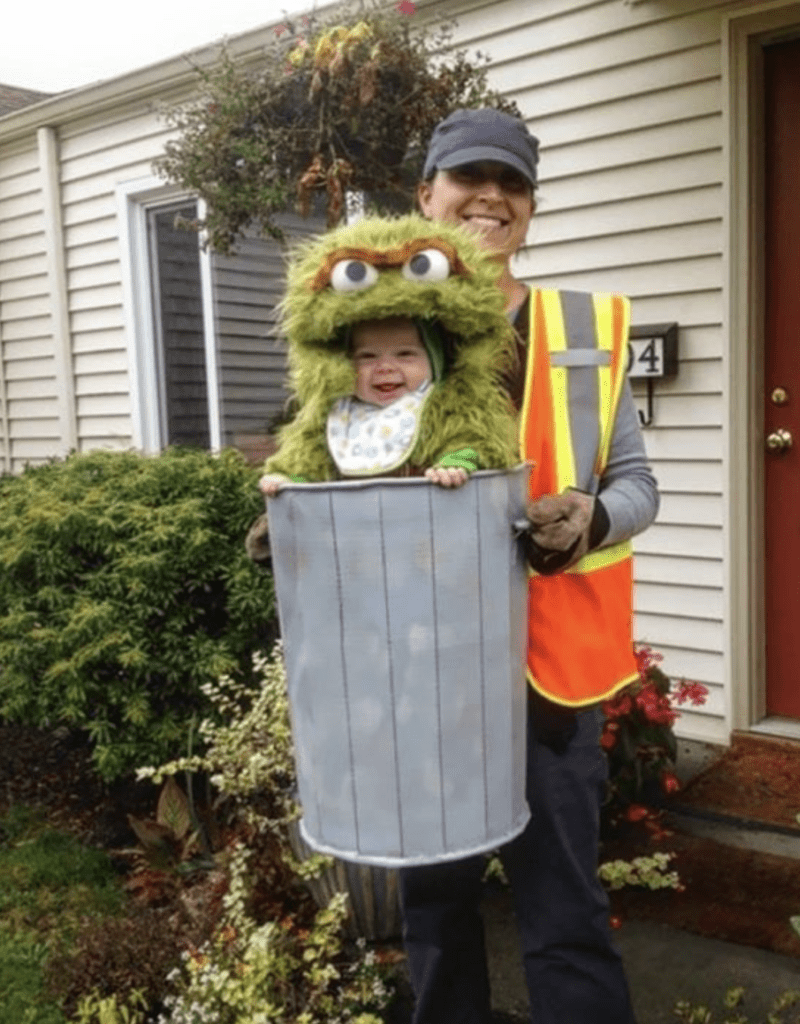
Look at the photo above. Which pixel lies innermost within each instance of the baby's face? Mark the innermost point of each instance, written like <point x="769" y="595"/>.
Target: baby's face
<point x="389" y="358"/>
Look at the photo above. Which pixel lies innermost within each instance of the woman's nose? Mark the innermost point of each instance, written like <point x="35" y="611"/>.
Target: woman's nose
<point x="489" y="188"/>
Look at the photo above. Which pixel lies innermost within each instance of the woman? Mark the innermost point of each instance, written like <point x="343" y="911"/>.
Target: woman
<point x="590" y="495"/>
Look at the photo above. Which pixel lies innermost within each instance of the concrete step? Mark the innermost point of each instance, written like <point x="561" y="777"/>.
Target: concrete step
<point x="693" y="759"/>
<point x="738" y="832"/>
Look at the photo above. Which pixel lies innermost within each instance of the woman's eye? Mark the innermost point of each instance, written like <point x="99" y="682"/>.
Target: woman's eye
<point x="352" y="275"/>
<point x="428" y="265"/>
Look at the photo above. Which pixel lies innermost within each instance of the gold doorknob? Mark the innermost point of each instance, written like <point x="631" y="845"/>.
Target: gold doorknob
<point x="779" y="441"/>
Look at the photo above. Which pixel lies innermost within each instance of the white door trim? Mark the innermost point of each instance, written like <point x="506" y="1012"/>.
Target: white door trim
<point x="744" y="33"/>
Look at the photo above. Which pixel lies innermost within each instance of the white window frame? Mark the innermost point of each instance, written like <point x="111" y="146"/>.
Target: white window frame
<point x="135" y="200"/>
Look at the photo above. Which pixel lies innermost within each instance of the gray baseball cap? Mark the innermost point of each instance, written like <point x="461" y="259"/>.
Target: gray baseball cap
<point x="468" y="136"/>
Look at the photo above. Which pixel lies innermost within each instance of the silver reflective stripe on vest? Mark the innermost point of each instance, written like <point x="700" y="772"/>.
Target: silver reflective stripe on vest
<point x="583" y="397"/>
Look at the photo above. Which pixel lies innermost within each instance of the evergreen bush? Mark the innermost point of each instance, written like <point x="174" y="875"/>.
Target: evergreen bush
<point x="124" y="588"/>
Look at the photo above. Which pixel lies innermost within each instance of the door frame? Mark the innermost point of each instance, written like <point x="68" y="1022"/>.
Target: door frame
<point x="744" y="33"/>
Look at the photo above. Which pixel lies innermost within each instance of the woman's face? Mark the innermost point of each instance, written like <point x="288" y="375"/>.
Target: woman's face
<point x="492" y="199"/>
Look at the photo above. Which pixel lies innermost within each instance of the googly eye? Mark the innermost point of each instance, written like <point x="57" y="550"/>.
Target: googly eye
<point x="428" y="265"/>
<point x="352" y="276"/>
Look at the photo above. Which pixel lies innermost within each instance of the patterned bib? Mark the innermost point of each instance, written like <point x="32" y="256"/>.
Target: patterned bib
<point x="366" y="439"/>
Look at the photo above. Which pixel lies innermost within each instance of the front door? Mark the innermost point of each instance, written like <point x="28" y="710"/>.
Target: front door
<point x="782" y="377"/>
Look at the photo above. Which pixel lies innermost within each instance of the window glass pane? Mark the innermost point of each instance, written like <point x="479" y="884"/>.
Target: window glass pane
<point x="179" y="327"/>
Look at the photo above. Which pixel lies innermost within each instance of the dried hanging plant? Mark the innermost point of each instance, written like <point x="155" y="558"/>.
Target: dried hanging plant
<point x="332" y="108"/>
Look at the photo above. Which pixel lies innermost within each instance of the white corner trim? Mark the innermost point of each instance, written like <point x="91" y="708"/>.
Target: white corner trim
<point x="49" y="168"/>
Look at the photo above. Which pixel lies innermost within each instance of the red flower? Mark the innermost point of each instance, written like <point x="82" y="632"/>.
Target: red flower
<point x="655" y="708"/>
<point x="618" y="707"/>
<point x="615" y="921"/>
<point x="645" y="657"/>
<point x="608" y="740"/>
<point x="406" y="7"/>
<point x="280" y="29"/>
<point x="637" y="812"/>
<point x="695" y="693"/>
<point x="670" y="783"/>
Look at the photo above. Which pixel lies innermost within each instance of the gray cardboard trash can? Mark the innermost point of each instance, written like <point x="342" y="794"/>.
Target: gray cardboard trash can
<point x="403" y="614"/>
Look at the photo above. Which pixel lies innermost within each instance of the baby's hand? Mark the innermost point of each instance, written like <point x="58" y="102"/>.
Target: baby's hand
<point x="269" y="485"/>
<point x="447" y="476"/>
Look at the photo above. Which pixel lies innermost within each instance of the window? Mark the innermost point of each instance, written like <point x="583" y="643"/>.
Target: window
<point x="208" y="365"/>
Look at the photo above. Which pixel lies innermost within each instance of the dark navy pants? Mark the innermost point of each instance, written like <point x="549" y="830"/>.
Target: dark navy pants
<point x="574" y="973"/>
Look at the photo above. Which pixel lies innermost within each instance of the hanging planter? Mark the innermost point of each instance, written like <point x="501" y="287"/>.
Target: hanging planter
<point x="333" y="108"/>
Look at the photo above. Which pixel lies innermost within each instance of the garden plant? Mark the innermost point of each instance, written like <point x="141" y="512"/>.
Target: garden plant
<point x="639" y="739"/>
<point x="335" y="105"/>
<point x="124" y="587"/>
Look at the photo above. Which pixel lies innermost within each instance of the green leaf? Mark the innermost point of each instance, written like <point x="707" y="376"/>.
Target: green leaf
<point x="173" y="809"/>
<point x="795" y="923"/>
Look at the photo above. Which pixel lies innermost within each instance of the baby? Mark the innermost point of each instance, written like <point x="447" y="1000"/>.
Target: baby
<point x="397" y="338"/>
<point x="372" y="431"/>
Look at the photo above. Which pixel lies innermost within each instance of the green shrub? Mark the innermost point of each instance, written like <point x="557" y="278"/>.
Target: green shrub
<point x="124" y="587"/>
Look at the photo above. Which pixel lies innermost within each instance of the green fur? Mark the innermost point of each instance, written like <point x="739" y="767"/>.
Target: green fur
<point x="469" y="408"/>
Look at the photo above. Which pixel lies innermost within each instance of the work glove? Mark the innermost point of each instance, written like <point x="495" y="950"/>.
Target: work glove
<point x="563" y="528"/>
<point x="257" y="541"/>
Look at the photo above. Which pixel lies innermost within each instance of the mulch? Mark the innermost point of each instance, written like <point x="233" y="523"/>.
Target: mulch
<point x="757" y="779"/>
<point x="731" y="894"/>
<point x="50" y="772"/>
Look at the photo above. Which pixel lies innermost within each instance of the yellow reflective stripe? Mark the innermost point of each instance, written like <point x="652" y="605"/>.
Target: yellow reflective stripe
<point x="586" y="701"/>
<point x="603" y="557"/>
<point x="559" y="387"/>
<point x="527" y="397"/>
<point x="611" y="386"/>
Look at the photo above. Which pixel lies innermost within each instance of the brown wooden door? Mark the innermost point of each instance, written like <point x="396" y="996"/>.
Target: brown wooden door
<point x="782" y="371"/>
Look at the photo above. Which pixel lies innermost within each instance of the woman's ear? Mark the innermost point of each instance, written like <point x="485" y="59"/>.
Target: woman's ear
<point x="424" y="189"/>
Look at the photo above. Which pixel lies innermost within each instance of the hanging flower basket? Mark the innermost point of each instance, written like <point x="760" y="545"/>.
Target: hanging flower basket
<point x="334" y="108"/>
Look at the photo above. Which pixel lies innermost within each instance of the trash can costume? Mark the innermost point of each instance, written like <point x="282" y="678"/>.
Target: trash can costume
<point x="402" y="603"/>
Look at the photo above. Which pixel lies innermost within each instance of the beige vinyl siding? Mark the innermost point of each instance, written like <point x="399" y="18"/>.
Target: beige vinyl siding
<point x="626" y="101"/>
<point x="29" y="419"/>
<point x="96" y="155"/>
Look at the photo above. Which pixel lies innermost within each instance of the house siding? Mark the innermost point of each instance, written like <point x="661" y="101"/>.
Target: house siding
<point x="96" y="155"/>
<point x="627" y="103"/>
<point x="29" y="414"/>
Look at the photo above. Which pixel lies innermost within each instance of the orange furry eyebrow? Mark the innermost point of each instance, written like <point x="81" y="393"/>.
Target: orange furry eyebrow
<point x="396" y="257"/>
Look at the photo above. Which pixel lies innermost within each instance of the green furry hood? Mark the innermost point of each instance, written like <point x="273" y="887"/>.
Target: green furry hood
<point x="411" y="267"/>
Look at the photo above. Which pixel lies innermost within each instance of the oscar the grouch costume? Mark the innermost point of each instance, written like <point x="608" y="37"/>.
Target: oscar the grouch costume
<point x="407" y="267"/>
<point x="382" y="268"/>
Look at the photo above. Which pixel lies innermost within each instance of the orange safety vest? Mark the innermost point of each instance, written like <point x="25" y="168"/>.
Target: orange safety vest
<point x="580" y="647"/>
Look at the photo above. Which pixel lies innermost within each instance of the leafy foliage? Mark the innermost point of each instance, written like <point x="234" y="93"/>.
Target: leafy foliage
<point x="332" y="108"/>
<point x="638" y="732"/>
<point x="275" y="971"/>
<point x="733" y="1003"/>
<point x="124" y="587"/>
